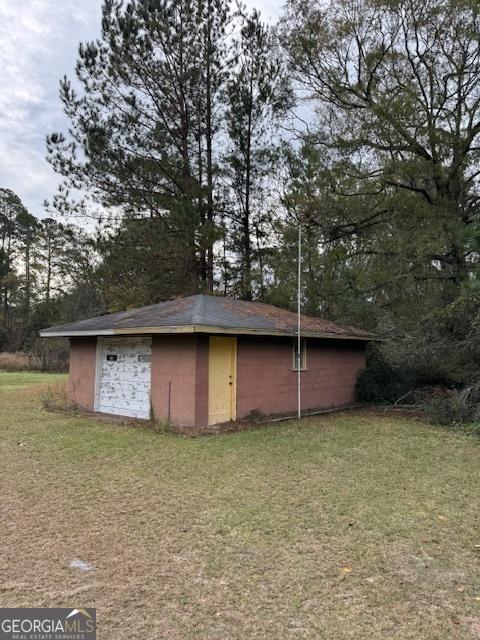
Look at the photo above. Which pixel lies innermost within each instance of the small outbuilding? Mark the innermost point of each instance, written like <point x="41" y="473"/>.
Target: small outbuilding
<point x="204" y="360"/>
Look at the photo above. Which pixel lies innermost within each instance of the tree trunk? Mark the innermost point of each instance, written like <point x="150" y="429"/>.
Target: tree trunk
<point x="49" y="272"/>
<point x="201" y="210"/>
<point x="247" y="246"/>
<point x="209" y="141"/>
<point x="27" y="279"/>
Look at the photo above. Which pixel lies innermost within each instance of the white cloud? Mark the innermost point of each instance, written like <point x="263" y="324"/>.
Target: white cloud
<point x="270" y="10"/>
<point x="38" y="46"/>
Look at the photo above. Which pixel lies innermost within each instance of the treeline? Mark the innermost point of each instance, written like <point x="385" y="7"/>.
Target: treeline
<point x="46" y="275"/>
<point x="201" y="137"/>
<point x="174" y="129"/>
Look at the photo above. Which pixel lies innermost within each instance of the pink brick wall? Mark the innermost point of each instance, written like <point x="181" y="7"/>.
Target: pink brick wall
<point x="83" y="352"/>
<point x="265" y="378"/>
<point x="201" y="381"/>
<point x="182" y="361"/>
<point x="267" y="382"/>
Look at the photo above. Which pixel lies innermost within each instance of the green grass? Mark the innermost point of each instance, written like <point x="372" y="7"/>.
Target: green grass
<point x="23" y="379"/>
<point x="341" y="526"/>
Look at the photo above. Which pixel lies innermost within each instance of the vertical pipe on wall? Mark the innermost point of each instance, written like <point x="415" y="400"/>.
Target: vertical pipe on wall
<point x="169" y="400"/>
<point x="299" y="324"/>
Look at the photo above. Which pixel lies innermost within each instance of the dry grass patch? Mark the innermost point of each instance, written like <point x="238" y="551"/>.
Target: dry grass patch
<point x="19" y="361"/>
<point x="55" y="398"/>
<point x="341" y="526"/>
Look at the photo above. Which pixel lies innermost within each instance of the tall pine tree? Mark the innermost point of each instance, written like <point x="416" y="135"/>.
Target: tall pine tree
<point x="257" y="94"/>
<point x="142" y="131"/>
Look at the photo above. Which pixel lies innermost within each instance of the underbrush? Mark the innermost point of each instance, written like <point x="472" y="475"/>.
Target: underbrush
<point x="56" y="399"/>
<point x="443" y="400"/>
<point x="19" y="361"/>
<point x="455" y="407"/>
<point x="443" y="405"/>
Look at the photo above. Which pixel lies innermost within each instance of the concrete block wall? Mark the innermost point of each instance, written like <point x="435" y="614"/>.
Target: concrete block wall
<point x="180" y="368"/>
<point x="81" y="383"/>
<point x="268" y="383"/>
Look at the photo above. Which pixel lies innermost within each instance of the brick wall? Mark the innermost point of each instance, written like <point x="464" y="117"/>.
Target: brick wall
<point x="83" y="352"/>
<point x="265" y="378"/>
<point x="267" y="382"/>
<point x="181" y="361"/>
<point x="201" y="381"/>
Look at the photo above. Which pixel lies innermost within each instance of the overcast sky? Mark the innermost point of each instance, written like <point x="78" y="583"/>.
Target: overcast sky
<point x="38" y="45"/>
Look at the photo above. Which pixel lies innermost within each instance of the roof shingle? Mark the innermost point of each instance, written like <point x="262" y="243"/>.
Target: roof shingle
<point x="198" y="312"/>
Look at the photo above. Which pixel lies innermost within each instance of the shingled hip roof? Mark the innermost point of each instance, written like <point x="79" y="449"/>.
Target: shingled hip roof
<point x="206" y="314"/>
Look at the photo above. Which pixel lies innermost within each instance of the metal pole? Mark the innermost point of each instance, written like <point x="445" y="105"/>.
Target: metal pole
<point x="169" y="399"/>
<point x="299" y="325"/>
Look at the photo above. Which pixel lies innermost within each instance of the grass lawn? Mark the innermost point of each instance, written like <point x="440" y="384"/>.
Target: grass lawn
<point x="340" y="526"/>
<point x="23" y="380"/>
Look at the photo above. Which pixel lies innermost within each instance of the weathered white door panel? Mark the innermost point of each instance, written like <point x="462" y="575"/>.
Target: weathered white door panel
<point x="124" y="376"/>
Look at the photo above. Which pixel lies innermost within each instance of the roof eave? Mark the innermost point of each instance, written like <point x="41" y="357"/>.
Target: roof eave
<point x="126" y="331"/>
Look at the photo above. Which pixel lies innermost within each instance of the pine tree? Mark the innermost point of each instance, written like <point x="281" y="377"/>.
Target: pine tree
<point x="142" y="130"/>
<point x="11" y="208"/>
<point x="257" y="94"/>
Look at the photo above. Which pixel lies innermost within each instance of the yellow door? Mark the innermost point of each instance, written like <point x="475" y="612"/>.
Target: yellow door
<point x="222" y="380"/>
